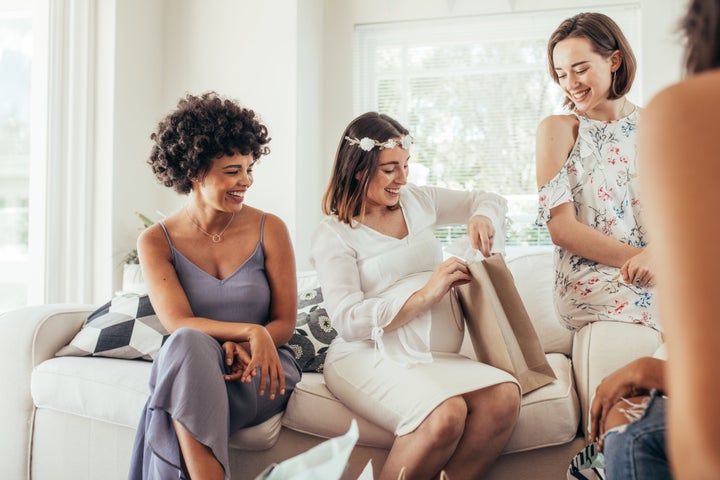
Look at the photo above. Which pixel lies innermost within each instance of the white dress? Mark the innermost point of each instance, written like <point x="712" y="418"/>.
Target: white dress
<point x="395" y="379"/>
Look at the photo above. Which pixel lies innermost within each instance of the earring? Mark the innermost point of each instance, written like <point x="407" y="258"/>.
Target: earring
<point x="612" y="84"/>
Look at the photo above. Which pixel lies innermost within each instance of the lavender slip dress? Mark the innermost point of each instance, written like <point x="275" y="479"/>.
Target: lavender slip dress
<point x="186" y="381"/>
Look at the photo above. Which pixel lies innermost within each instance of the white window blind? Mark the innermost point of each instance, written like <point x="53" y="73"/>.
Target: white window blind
<point x="471" y="91"/>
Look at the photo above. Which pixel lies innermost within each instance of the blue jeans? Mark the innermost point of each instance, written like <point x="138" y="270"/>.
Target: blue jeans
<point x="639" y="451"/>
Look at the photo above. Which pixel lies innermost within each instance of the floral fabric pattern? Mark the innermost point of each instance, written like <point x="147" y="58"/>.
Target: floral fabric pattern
<point x="600" y="178"/>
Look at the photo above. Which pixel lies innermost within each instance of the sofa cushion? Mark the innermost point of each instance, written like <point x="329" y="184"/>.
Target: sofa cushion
<point x="314" y="410"/>
<point x="549" y="415"/>
<point x="534" y="276"/>
<point x="125" y="327"/>
<point x="313" y="332"/>
<point x="115" y="391"/>
<point x="602" y="347"/>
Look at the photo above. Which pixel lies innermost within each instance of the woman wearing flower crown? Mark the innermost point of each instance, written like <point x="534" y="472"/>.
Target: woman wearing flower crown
<point x="221" y="278"/>
<point x="396" y="361"/>
<point x="588" y="178"/>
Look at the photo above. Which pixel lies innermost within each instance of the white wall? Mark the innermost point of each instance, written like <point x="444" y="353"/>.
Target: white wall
<point x="164" y="49"/>
<point x="291" y="61"/>
<point x="245" y="50"/>
<point x="132" y="95"/>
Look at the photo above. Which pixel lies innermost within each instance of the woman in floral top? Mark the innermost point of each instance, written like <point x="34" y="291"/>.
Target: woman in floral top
<point x="588" y="178"/>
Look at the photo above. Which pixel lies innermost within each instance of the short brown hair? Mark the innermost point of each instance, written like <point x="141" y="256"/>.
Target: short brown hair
<point x="702" y="36"/>
<point x="355" y="167"/>
<point x="605" y="37"/>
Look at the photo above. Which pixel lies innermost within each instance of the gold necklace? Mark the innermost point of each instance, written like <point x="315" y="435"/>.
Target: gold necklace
<point x="216" y="237"/>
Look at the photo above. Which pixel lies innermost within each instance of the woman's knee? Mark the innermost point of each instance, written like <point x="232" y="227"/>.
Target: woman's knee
<point x="188" y="344"/>
<point x="447" y="422"/>
<point x="186" y="338"/>
<point x="624" y="412"/>
<point x="499" y="402"/>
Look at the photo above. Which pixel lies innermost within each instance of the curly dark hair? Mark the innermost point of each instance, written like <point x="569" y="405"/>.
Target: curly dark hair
<point x="201" y="129"/>
<point x="701" y="28"/>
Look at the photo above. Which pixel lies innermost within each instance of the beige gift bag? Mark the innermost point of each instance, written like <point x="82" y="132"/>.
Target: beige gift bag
<point x="499" y="326"/>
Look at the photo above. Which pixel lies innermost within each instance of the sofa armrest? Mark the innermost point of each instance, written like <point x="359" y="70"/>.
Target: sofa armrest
<point x="602" y="347"/>
<point x="30" y="335"/>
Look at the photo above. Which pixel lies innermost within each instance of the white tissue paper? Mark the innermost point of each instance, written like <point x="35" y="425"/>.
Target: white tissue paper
<point x="462" y="248"/>
<point x="327" y="460"/>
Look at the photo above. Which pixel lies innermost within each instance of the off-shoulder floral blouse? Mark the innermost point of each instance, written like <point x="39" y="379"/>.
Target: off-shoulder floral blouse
<point x="600" y="178"/>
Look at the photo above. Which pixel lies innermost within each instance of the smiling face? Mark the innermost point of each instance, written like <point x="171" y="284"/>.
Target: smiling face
<point x="391" y="174"/>
<point x="584" y="75"/>
<point x="225" y="184"/>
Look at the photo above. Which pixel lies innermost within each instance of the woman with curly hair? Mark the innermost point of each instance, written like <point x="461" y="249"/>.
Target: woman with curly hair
<point x="680" y="137"/>
<point x="657" y="416"/>
<point x="221" y="278"/>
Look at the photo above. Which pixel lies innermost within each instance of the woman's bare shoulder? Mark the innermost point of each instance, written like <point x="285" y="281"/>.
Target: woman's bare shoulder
<point x="695" y="99"/>
<point x="559" y="131"/>
<point x="561" y="121"/>
<point x="556" y="136"/>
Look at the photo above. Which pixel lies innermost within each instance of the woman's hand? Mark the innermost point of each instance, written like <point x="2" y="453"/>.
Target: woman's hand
<point x="448" y="274"/>
<point x="637" y="270"/>
<point x="636" y="378"/>
<point x="481" y="232"/>
<point x="237" y="359"/>
<point x="263" y="359"/>
<point x="619" y="384"/>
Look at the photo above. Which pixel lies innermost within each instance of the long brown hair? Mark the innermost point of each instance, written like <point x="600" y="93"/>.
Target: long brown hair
<point x="605" y="37"/>
<point x="354" y="167"/>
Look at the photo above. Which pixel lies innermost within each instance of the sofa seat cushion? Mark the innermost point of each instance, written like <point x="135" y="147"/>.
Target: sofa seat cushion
<point x="549" y="415"/>
<point x="312" y="409"/>
<point x="115" y="391"/>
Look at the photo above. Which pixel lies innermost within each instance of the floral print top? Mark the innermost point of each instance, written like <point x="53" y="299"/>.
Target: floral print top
<point x="600" y="178"/>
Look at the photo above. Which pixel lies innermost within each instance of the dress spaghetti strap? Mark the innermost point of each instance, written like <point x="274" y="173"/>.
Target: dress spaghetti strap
<point x="262" y="227"/>
<point x="167" y="235"/>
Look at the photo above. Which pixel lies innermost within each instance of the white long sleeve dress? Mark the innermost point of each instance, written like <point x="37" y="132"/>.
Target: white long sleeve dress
<point x="396" y="378"/>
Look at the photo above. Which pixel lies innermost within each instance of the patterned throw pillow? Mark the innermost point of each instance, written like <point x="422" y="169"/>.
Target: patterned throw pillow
<point x="313" y="332"/>
<point x="125" y="327"/>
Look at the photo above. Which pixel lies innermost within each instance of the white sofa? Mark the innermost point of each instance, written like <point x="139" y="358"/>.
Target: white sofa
<point x="75" y="417"/>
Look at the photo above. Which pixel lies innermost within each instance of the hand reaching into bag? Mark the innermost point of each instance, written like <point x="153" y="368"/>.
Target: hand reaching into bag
<point x="481" y="232"/>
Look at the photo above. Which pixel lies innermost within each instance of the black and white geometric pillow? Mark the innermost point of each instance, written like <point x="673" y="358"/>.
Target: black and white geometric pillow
<point x="313" y="332"/>
<point x="125" y="327"/>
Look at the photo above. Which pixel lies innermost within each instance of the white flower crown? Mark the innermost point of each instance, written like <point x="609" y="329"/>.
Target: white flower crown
<point x="368" y="144"/>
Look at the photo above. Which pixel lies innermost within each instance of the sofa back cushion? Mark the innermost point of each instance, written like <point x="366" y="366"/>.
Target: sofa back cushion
<point x="125" y="327"/>
<point x="534" y="276"/>
<point x="313" y="332"/>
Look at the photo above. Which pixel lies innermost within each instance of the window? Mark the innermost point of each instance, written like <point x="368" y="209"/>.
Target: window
<point x="471" y="91"/>
<point x="16" y="48"/>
